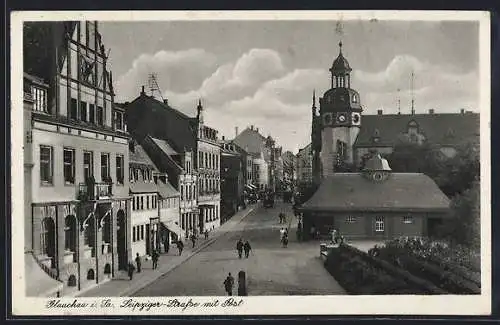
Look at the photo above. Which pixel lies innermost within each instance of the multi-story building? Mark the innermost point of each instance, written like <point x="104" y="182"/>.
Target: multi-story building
<point x="260" y="172"/>
<point x="195" y="144"/>
<point x="145" y="211"/>
<point x="80" y="192"/>
<point x="169" y="208"/>
<point x="175" y="168"/>
<point x="208" y="165"/>
<point x="304" y="167"/>
<point x="232" y="179"/>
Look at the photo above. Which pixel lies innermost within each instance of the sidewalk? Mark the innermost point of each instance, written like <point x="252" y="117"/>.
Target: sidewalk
<point x="121" y="286"/>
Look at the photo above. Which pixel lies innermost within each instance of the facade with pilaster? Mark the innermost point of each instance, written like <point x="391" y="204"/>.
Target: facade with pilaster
<point x="79" y="147"/>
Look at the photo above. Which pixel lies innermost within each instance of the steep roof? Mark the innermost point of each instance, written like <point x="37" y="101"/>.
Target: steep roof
<point x="165" y="146"/>
<point x="146" y="115"/>
<point x="400" y="192"/>
<point x="138" y="156"/>
<point x="444" y="129"/>
<point x="250" y="140"/>
<point x="166" y="190"/>
<point x="143" y="187"/>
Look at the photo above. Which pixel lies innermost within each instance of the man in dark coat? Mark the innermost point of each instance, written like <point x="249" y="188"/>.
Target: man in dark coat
<point x="180" y="246"/>
<point x="228" y="284"/>
<point x="155" y="256"/>
<point x="130" y="270"/>
<point x="138" y="262"/>
<point x="239" y="248"/>
<point x="247" y="248"/>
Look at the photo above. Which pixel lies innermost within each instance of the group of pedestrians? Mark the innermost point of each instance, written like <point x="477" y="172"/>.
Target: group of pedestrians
<point x="240" y="247"/>
<point x="155" y="256"/>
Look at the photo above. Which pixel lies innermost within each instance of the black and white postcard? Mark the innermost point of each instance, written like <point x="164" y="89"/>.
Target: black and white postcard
<point x="251" y="163"/>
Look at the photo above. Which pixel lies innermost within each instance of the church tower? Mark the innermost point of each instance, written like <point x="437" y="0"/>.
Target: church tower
<point x="340" y="118"/>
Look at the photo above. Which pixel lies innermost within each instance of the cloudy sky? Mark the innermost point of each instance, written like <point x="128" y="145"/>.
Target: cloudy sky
<point x="263" y="73"/>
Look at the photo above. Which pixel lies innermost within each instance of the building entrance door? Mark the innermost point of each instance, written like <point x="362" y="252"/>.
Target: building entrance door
<point x="121" y="236"/>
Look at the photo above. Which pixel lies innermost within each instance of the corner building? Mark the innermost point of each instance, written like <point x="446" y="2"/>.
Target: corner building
<point x="80" y="200"/>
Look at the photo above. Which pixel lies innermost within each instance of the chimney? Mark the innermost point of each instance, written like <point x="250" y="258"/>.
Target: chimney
<point x="379" y="112"/>
<point x="462" y="111"/>
<point x="235" y="131"/>
<point x="165" y="101"/>
<point x="142" y="91"/>
<point x="431" y="111"/>
<point x="251" y="127"/>
<point x="257" y="129"/>
<point x="223" y="138"/>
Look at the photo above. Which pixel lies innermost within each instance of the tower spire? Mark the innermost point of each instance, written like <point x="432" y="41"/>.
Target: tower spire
<point x="340" y="47"/>
<point x="314" y="98"/>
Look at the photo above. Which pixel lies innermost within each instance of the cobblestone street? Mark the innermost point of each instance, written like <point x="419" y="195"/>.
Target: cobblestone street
<point x="271" y="269"/>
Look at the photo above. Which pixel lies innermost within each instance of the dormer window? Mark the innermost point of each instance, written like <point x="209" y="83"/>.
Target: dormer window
<point x="412" y="128"/>
<point x="354" y="98"/>
<point x="40" y="99"/>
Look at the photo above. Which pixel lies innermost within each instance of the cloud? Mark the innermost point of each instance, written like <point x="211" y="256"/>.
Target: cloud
<point x="176" y="71"/>
<point x="257" y="89"/>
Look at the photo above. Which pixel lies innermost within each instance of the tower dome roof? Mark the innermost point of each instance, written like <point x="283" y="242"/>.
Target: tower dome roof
<point x="340" y="64"/>
<point x="377" y="163"/>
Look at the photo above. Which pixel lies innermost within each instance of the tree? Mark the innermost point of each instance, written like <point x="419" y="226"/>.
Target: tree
<point x="464" y="226"/>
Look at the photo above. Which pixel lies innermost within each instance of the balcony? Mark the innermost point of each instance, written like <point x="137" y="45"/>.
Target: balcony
<point x="96" y="191"/>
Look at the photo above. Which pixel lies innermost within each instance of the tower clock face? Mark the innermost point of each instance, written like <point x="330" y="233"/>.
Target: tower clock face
<point x="341" y="118"/>
<point x="356" y="119"/>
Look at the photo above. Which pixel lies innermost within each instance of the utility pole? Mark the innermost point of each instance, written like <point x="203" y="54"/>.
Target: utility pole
<point x="412" y="80"/>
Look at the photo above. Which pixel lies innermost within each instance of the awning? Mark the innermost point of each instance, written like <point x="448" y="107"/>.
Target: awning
<point x="173" y="227"/>
<point x="39" y="283"/>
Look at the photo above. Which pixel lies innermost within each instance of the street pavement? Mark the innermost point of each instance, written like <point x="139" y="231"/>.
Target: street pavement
<point x="270" y="269"/>
<point x="121" y="285"/>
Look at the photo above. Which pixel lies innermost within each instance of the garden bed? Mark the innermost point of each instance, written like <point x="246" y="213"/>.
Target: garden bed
<point x="359" y="274"/>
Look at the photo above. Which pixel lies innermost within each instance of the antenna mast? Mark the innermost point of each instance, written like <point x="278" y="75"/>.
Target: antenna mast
<point x="399" y="101"/>
<point x="153" y="85"/>
<point x="412" y="80"/>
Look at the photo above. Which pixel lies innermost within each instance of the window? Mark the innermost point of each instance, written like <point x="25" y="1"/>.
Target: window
<point x="134" y="238"/>
<point x="69" y="165"/>
<point x="46" y="164"/>
<point x="105" y="167"/>
<point x="142" y="232"/>
<point x="120" y="169"/>
<point x="131" y="175"/>
<point x="407" y="220"/>
<point x="47" y="237"/>
<point x="350" y="219"/>
<point x="88" y="164"/>
<point x="147" y="202"/>
<point x="379" y="224"/>
<point x="100" y="116"/>
<point x="74" y="109"/>
<point x="90" y="235"/>
<point x="83" y="111"/>
<point x="142" y="202"/>
<point x="92" y="113"/>
<point x="70" y="233"/>
<point x="182" y="192"/>
<point x="133" y="204"/>
<point x="119" y="120"/>
<point x="40" y="99"/>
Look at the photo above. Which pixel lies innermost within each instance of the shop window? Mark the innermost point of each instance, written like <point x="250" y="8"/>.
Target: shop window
<point x="70" y="233"/>
<point x="47" y="238"/>
<point x="107" y="269"/>
<point x="72" y="281"/>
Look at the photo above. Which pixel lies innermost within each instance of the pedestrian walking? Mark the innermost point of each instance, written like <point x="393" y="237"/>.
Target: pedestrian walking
<point x="282" y="234"/>
<point x="239" y="248"/>
<point x="247" y="248"/>
<point x="155" y="256"/>
<point x="206" y="233"/>
<point x="180" y="246"/>
<point x="138" y="262"/>
<point x="285" y="241"/>
<point x="299" y="231"/>
<point x="228" y="284"/>
<point x="193" y="240"/>
<point x="130" y="270"/>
